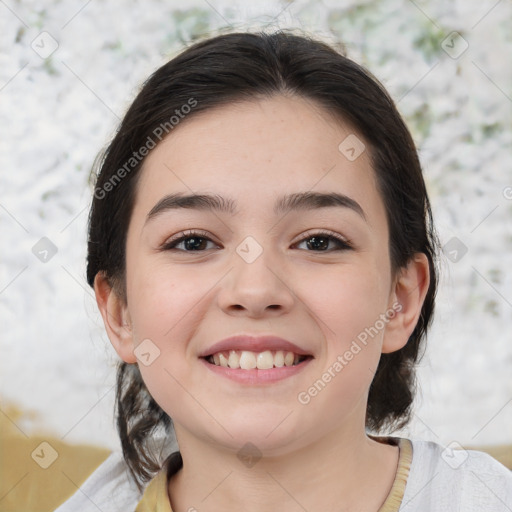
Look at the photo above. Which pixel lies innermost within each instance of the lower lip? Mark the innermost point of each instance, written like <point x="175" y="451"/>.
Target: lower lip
<point x="255" y="376"/>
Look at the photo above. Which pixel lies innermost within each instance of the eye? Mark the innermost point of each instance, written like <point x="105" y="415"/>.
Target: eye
<point x="321" y="241"/>
<point x="190" y="241"/>
<point x="197" y="241"/>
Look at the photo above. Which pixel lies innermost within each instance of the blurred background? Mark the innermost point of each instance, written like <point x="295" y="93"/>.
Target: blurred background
<point x="68" y="72"/>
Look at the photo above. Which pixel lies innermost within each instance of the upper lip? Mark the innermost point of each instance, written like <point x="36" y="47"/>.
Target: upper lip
<point x="253" y="344"/>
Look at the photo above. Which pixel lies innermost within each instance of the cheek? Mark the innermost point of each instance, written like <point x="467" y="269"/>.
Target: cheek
<point x="161" y="299"/>
<point x="347" y="300"/>
<point x="348" y="305"/>
<point x="165" y="308"/>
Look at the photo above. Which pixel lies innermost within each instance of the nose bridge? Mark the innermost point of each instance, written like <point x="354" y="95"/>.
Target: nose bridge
<point x="257" y="280"/>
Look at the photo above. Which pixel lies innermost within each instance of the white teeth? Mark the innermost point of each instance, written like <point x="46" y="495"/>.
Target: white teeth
<point x="279" y="359"/>
<point x="265" y="360"/>
<point x="234" y="359"/>
<point x="247" y="360"/>
<point x="288" y="359"/>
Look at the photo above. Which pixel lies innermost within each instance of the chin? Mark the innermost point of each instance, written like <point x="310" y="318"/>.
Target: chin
<point x="266" y="434"/>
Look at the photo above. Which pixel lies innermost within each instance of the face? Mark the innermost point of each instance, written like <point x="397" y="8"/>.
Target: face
<point x="315" y="273"/>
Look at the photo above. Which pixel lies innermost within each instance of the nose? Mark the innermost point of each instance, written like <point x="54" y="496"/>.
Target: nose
<point x="256" y="289"/>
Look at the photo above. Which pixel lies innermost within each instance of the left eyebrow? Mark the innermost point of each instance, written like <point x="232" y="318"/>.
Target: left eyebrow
<point x="316" y="200"/>
<point x="285" y="204"/>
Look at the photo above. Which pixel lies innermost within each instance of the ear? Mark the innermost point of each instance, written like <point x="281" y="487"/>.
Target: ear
<point x="406" y="300"/>
<point x="116" y="318"/>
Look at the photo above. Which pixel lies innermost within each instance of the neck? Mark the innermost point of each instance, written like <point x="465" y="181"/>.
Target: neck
<point x="342" y="471"/>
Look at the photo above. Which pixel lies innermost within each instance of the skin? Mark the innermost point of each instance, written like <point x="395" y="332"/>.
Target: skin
<point x="184" y="302"/>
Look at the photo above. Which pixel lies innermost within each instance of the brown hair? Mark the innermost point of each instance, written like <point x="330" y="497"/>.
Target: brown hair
<point x="240" y="66"/>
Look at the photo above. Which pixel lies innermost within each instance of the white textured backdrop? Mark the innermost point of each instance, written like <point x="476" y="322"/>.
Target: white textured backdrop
<point x="69" y="70"/>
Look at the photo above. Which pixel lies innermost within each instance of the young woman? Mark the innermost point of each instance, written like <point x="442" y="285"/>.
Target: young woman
<point x="263" y="255"/>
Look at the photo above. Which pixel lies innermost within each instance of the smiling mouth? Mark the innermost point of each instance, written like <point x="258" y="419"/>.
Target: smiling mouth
<point x="247" y="360"/>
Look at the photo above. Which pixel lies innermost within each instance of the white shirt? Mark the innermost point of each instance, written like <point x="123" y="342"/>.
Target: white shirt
<point x="444" y="480"/>
<point x="440" y="480"/>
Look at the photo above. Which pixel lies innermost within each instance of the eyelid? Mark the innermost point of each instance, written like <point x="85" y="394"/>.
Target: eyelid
<point x="187" y="233"/>
<point x="327" y="233"/>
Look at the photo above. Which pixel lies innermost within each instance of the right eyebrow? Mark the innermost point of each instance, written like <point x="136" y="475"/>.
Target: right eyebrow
<point x="192" y="201"/>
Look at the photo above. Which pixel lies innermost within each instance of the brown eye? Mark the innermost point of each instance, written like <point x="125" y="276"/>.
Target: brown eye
<point x="189" y="242"/>
<point x="318" y="243"/>
<point x="325" y="242"/>
<point x="194" y="243"/>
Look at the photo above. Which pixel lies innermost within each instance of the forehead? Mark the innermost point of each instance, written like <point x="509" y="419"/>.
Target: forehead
<point x="252" y="151"/>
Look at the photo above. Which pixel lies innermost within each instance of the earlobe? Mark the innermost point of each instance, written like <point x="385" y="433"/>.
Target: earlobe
<point x="410" y="290"/>
<point x="115" y="317"/>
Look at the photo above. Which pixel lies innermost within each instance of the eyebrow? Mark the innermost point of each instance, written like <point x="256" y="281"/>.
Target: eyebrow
<point x="285" y="204"/>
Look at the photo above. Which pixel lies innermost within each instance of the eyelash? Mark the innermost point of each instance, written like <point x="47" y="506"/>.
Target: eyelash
<point x="343" y="243"/>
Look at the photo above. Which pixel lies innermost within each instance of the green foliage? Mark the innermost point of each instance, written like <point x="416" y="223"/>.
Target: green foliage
<point x="190" y="24"/>
<point x="429" y="40"/>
